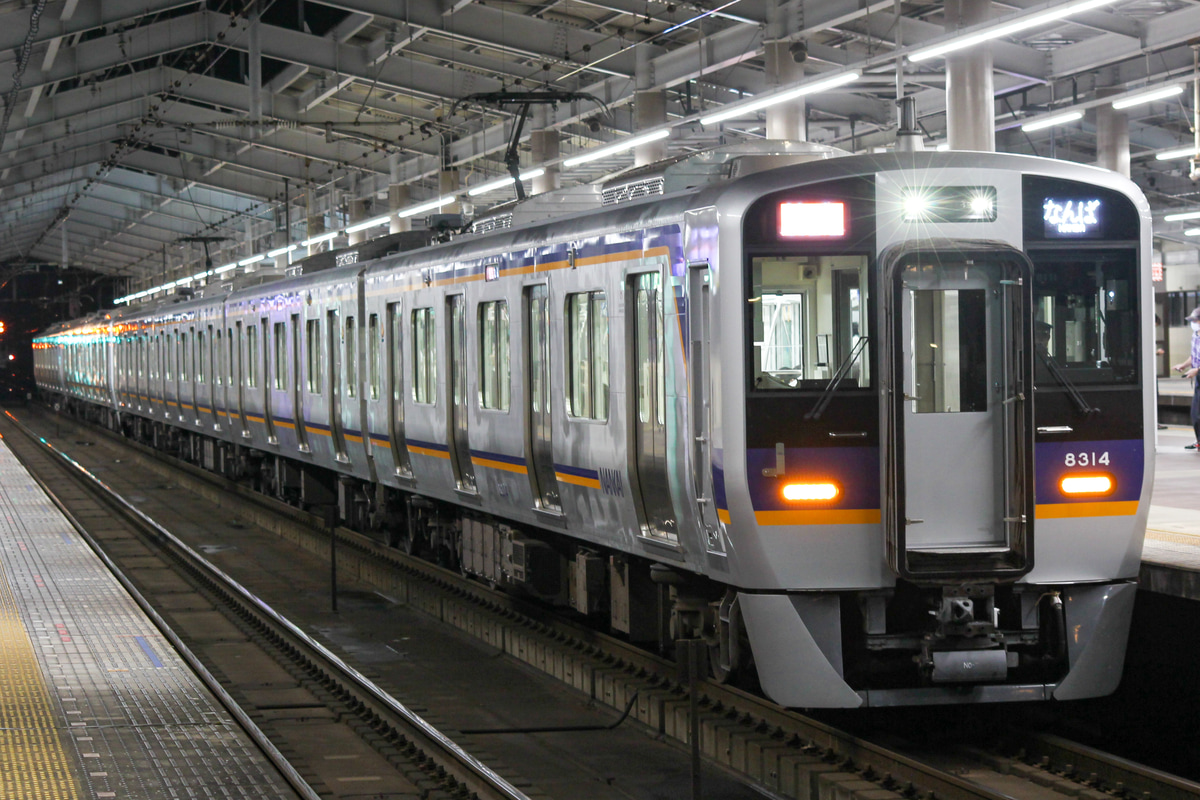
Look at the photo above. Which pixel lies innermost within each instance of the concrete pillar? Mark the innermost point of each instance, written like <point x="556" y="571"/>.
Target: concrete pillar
<point x="316" y="226"/>
<point x="1112" y="135"/>
<point x="255" y="70"/>
<point x="544" y="144"/>
<point x="358" y="213"/>
<point x="649" y="110"/>
<point x="970" y="96"/>
<point x="280" y="238"/>
<point x="784" y="120"/>
<point x="448" y="184"/>
<point x="398" y="198"/>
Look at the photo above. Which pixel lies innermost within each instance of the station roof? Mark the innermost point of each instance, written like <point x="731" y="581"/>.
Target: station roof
<point x="129" y="123"/>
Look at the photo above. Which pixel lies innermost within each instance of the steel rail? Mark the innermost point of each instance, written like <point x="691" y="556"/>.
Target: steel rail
<point x="479" y="775"/>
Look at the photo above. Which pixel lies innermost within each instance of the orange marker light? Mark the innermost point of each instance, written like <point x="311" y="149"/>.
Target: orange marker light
<point x="801" y="492"/>
<point x="1087" y="484"/>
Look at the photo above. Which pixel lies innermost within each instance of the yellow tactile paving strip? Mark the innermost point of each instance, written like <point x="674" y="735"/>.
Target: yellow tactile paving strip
<point x="33" y="761"/>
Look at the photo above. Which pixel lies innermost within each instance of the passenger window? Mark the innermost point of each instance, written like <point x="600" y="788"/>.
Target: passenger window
<point x="373" y="355"/>
<point x="229" y="364"/>
<point x="252" y="355"/>
<point x="424" y="341"/>
<point x="313" y="346"/>
<point x="587" y="355"/>
<point x="351" y="358"/>
<point x="217" y="359"/>
<point x="280" y="355"/>
<point x="808" y="317"/>
<point x="495" y="374"/>
<point x="202" y="357"/>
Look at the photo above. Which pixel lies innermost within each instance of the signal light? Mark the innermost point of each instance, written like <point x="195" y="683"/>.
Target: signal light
<point x="1077" y="485"/>
<point x="810" y="492"/>
<point x="2" y="328"/>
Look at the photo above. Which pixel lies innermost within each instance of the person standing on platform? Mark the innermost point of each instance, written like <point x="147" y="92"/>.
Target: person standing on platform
<point x="1189" y="369"/>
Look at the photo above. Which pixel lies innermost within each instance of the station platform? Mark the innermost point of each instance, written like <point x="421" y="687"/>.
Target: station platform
<point x="94" y="702"/>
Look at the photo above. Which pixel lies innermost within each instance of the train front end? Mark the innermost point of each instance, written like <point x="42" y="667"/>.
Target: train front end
<point x="937" y="460"/>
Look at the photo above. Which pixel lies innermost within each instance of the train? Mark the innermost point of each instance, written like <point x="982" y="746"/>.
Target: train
<point x="875" y="428"/>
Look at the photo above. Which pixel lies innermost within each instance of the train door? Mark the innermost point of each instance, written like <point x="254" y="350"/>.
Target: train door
<point x="298" y="386"/>
<point x="649" y="412"/>
<point x="699" y="305"/>
<point x="241" y="379"/>
<point x="961" y="412"/>
<point x="456" y="409"/>
<point x="539" y="421"/>
<point x="395" y="349"/>
<point x="333" y="340"/>
<point x="271" y="367"/>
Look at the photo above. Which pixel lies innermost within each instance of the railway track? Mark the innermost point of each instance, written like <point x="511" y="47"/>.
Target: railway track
<point x="425" y="762"/>
<point x="777" y="749"/>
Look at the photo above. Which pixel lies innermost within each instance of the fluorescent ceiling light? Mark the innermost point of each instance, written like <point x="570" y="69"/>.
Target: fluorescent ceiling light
<point x="430" y="206"/>
<point x="1058" y="11"/>
<point x="370" y="223"/>
<point x="251" y="260"/>
<point x="782" y="97"/>
<point x="201" y="275"/>
<point x="1146" y="97"/>
<point x="1192" y="232"/>
<point x="1184" y="215"/>
<point x="1179" y="152"/>
<point x="224" y="269"/>
<point x="281" y="250"/>
<point x="1050" y="122"/>
<point x="324" y="237"/>
<point x="500" y="183"/>
<point x="618" y="147"/>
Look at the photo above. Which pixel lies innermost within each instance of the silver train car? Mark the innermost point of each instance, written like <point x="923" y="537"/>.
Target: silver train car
<point x="876" y="428"/>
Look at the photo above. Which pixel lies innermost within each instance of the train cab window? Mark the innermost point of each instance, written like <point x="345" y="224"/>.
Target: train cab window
<point x="351" y="358"/>
<point x="1085" y="317"/>
<point x="312" y="346"/>
<point x="424" y="340"/>
<point x="373" y="342"/>
<point x="809" y="319"/>
<point x="949" y="350"/>
<point x="587" y="355"/>
<point x="280" y="355"/>
<point x="495" y="374"/>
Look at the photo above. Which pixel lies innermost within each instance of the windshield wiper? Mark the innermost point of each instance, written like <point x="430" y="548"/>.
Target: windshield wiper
<point x="842" y="370"/>
<point x="1078" y="399"/>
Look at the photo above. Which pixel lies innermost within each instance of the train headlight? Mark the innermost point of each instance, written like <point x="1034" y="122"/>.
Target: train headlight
<point x="916" y="206"/>
<point x="810" y="492"/>
<point x="1083" y="485"/>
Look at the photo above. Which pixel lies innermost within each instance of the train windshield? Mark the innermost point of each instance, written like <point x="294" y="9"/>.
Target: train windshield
<point x="1085" y="317"/>
<point x="809" y="315"/>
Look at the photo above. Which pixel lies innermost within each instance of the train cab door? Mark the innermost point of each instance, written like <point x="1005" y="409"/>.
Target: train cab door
<point x="540" y="425"/>
<point x="961" y="450"/>
<point x="334" y="348"/>
<point x="649" y="412"/>
<point x="456" y="409"/>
